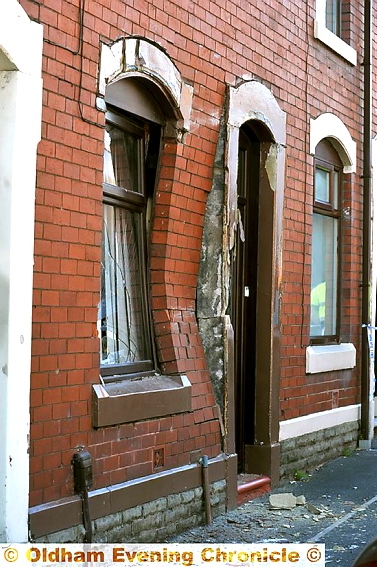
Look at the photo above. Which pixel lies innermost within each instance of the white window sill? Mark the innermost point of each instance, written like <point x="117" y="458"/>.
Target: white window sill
<point x="334" y="42"/>
<point x="325" y="358"/>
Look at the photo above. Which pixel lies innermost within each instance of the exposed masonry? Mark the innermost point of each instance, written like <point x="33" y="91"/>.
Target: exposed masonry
<point x="210" y="279"/>
<point x="313" y="449"/>
<point x="151" y="522"/>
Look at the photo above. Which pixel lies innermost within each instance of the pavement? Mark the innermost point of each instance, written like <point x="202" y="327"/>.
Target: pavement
<point x="337" y="507"/>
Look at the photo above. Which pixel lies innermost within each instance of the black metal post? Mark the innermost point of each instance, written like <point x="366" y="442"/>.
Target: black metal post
<point x="367" y="194"/>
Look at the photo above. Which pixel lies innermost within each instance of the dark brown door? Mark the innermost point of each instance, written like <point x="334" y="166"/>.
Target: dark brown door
<point x="244" y="291"/>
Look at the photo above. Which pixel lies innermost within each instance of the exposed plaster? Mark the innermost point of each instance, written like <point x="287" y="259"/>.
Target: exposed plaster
<point x="251" y="100"/>
<point x="5" y="77"/>
<point x="186" y="104"/>
<point x="216" y="299"/>
<point x="270" y="165"/>
<point x="158" y="64"/>
<point x="136" y="57"/>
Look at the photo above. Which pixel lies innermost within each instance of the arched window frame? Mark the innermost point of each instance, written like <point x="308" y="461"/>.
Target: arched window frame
<point x="326" y="246"/>
<point x="156" y="93"/>
<point x="127" y="345"/>
<point x="324" y="357"/>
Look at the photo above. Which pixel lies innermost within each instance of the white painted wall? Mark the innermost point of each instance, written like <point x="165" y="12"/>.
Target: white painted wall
<point x="20" y="127"/>
<point x="314" y="422"/>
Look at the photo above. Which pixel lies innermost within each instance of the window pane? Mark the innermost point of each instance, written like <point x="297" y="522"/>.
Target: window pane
<point x="123" y="326"/>
<point x="324" y="276"/>
<point x="335" y="190"/>
<point x="322" y="185"/>
<point x="333" y="16"/>
<point x="242" y="158"/>
<point x="121" y="159"/>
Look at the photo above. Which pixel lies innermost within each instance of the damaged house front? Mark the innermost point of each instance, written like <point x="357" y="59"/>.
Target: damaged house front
<point x="186" y="257"/>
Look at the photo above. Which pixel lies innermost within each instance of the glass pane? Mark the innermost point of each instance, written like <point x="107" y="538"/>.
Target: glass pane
<point x="333" y="16"/>
<point x="335" y="189"/>
<point x="241" y="182"/>
<point x="322" y="185"/>
<point x="324" y="276"/>
<point x="122" y="314"/>
<point x="121" y="159"/>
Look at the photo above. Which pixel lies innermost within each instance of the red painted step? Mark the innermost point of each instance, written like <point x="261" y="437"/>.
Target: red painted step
<point x="250" y="487"/>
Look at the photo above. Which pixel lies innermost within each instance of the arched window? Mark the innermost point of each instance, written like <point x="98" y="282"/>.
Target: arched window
<point x="325" y="275"/>
<point x="147" y="106"/>
<point x="132" y="145"/>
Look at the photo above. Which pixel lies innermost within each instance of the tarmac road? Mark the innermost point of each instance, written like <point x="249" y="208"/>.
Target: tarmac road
<point x="340" y="511"/>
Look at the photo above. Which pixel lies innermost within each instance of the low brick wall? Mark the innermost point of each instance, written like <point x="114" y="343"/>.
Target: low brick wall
<point x="151" y="522"/>
<point x="306" y="452"/>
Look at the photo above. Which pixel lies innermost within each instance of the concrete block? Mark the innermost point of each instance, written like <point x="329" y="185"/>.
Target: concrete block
<point x="300" y="500"/>
<point x="283" y="501"/>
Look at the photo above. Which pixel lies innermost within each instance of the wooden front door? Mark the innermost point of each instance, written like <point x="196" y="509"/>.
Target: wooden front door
<point x="245" y="291"/>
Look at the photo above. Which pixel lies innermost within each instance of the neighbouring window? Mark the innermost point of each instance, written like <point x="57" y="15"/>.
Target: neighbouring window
<point x="337" y="18"/>
<point x="325" y="284"/>
<point x="334" y="16"/>
<point x="332" y="26"/>
<point x="130" y="160"/>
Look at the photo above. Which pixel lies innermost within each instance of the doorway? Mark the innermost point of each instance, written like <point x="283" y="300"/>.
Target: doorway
<point x="252" y="255"/>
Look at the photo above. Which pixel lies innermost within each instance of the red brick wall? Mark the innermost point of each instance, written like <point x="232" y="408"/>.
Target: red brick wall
<point x="212" y="47"/>
<point x="335" y="86"/>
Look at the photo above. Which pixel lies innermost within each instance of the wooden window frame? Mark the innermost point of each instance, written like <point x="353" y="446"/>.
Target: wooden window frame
<point x="137" y="202"/>
<point x="327" y="159"/>
<point x="138" y="391"/>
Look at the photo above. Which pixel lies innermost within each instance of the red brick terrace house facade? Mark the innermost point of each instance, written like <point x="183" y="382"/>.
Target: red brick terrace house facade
<point x="198" y="268"/>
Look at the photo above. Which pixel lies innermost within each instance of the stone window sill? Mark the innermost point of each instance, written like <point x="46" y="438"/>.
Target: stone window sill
<point x="140" y="398"/>
<point x="325" y="358"/>
<point x="334" y="42"/>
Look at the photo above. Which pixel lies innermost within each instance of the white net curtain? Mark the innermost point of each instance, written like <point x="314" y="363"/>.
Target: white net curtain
<point x="121" y="312"/>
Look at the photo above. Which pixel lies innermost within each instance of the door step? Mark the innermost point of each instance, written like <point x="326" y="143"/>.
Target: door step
<point x="251" y="486"/>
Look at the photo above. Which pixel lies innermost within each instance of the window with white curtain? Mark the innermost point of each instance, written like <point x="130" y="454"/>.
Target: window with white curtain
<point x="124" y="318"/>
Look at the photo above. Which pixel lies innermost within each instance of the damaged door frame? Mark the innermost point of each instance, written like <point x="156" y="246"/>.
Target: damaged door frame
<point x="252" y="101"/>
